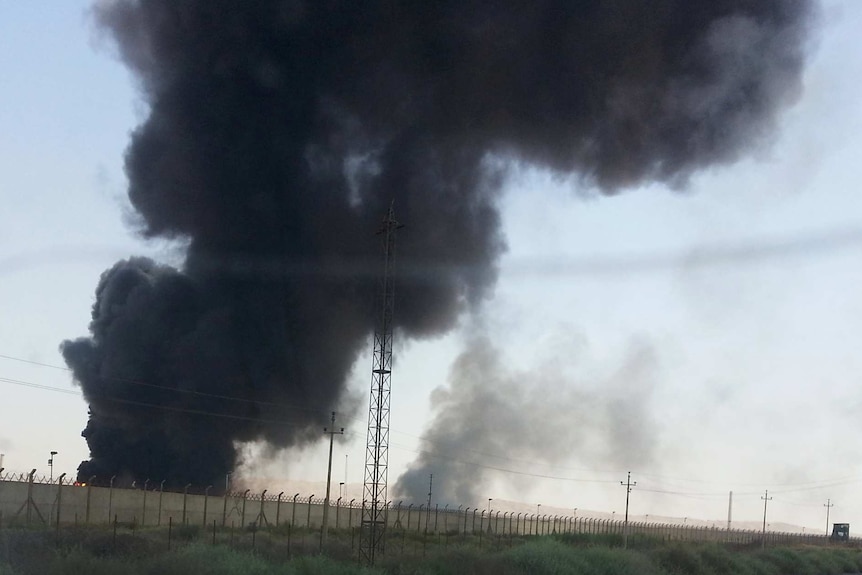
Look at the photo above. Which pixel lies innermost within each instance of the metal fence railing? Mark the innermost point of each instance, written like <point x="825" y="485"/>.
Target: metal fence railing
<point x="33" y="498"/>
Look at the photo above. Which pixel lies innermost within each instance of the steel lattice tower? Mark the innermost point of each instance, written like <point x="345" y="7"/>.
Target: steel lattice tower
<point x="373" y="528"/>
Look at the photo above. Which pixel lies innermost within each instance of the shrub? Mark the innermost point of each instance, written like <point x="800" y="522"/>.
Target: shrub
<point x="198" y="558"/>
<point x="186" y="532"/>
<point x="603" y="561"/>
<point x="680" y="558"/>
<point x="788" y="561"/>
<point x="722" y="562"/>
<point x="320" y="565"/>
<point x="547" y="557"/>
<point x="82" y="562"/>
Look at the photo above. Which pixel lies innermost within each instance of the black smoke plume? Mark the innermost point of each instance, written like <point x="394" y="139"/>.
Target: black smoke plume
<point x="278" y="132"/>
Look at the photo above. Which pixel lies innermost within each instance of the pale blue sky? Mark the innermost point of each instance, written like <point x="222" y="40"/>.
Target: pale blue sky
<point x="756" y="376"/>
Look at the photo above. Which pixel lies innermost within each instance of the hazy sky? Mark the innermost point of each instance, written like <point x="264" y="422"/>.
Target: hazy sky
<point x="706" y="340"/>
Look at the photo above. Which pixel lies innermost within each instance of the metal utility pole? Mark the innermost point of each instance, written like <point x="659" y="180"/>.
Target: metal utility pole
<point x="51" y="465"/>
<point x="428" y="508"/>
<point x="332" y="433"/>
<point x="766" y="498"/>
<point x="828" y="505"/>
<point x="729" y="509"/>
<point x="628" y="485"/>
<point x="373" y="527"/>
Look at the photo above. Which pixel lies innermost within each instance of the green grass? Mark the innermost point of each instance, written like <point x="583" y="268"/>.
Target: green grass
<point x="283" y="551"/>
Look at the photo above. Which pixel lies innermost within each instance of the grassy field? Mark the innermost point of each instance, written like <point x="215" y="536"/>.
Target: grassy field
<point x="191" y="550"/>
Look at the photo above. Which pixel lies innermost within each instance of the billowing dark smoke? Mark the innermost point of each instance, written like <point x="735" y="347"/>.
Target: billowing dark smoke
<point x="280" y="130"/>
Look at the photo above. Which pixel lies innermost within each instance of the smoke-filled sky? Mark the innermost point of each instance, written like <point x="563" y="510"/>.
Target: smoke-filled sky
<point x="651" y="266"/>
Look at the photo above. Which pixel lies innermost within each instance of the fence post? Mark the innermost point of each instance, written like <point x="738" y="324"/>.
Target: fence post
<point x="144" y="506"/>
<point x="206" y="502"/>
<point x="293" y="511"/>
<point x="308" y="518"/>
<point x="30" y="495"/>
<point x="386" y="508"/>
<point x="59" y="499"/>
<point x="244" y="499"/>
<point x="111" y="497"/>
<point x="89" y="488"/>
<point x="278" y="508"/>
<point x="224" y="511"/>
<point x="161" y="493"/>
<point x="185" y="497"/>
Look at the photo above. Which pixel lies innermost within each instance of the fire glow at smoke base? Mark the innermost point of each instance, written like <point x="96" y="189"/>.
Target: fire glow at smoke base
<point x="279" y="131"/>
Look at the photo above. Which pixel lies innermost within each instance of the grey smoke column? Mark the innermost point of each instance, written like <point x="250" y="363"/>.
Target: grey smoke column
<point x="279" y="131"/>
<point x="490" y="419"/>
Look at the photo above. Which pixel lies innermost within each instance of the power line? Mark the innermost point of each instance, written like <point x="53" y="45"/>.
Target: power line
<point x="805" y="244"/>
<point x="145" y="404"/>
<point x="331" y="432"/>
<point x="130" y="381"/>
<point x="790" y="487"/>
<point x="766" y="499"/>
<point x="438" y="455"/>
<point x="275" y="404"/>
<point x="628" y="485"/>
<point x="39" y="386"/>
<point x="739" y="253"/>
<point x="289" y="424"/>
<point x="503" y="469"/>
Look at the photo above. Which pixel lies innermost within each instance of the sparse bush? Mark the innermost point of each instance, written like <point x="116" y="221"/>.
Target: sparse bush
<point x="325" y="565"/>
<point x="93" y="550"/>
<point x="681" y="558"/>
<point x="186" y="532"/>
<point x="788" y="561"/>
<point x="198" y="558"/>
<point x="548" y="557"/>
<point x="850" y="561"/>
<point x="720" y="561"/>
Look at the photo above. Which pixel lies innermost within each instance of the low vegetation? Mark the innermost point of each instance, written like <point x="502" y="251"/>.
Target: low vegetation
<point x="191" y="550"/>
